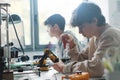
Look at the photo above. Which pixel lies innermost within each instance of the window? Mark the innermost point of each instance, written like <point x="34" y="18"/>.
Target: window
<point x="33" y="13"/>
<point x="49" y="7"/>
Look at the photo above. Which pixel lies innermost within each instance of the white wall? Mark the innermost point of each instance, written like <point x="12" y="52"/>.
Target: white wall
<point x="114" y="13"/>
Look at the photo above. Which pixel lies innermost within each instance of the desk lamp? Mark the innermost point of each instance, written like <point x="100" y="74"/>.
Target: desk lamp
<point x="15" y="18"/>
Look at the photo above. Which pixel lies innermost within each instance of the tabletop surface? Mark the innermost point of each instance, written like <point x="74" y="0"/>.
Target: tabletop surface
<point x="51" y="74"/>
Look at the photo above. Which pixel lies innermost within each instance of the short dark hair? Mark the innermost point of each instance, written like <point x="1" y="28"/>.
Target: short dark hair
<point x="56" y="19"/>
<point x="85" y="13"/>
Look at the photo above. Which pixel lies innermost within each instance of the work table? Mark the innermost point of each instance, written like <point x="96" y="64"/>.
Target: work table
<point x="51" y="74"/>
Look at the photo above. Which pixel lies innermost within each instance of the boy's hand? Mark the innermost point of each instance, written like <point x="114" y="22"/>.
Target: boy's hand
<point x="59" y="66"/>
<point x="66" y="38"/>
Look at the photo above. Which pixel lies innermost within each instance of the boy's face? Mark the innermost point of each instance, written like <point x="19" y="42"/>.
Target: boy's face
<point x="87" y="29"/>
<point x="50" y="30"/>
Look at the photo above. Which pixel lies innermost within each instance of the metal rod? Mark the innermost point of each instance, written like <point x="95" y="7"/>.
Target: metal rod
<point x="7" y="30"/>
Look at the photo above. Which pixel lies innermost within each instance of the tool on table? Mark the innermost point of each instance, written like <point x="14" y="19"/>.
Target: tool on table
<point x="77" y="76"/>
